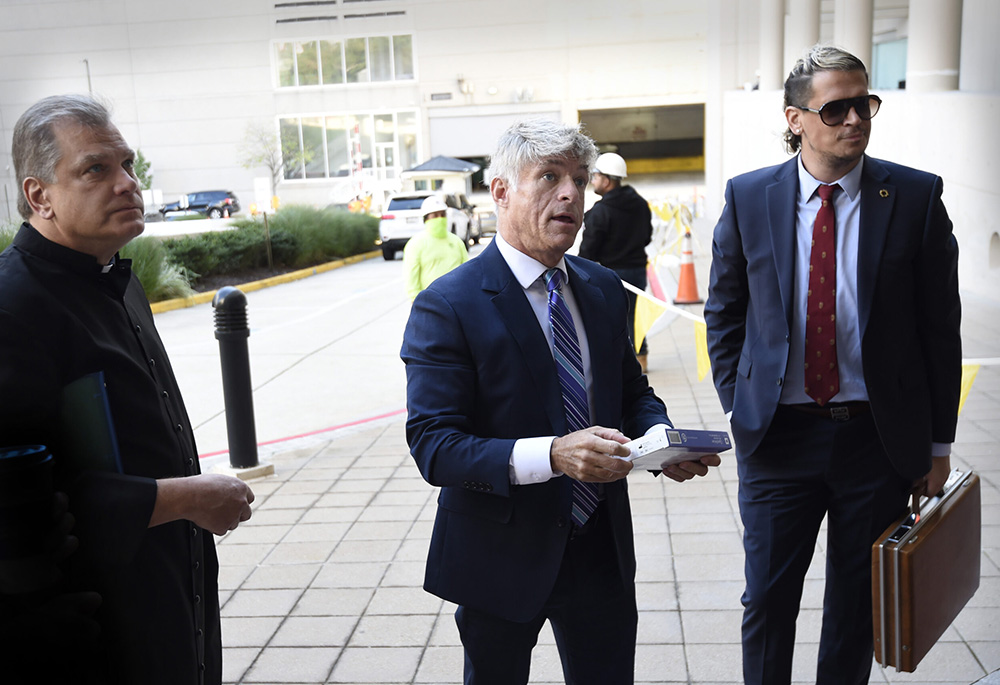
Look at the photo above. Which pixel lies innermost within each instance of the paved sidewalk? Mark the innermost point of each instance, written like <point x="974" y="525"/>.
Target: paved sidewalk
<point x="323" y="584"/>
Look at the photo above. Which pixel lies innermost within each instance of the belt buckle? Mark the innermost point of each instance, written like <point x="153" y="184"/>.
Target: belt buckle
<point x="840" y="413"/>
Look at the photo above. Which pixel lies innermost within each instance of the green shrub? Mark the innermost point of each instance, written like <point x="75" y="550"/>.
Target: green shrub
<point x="7" y="233"/>
<point x="300" y="236"/>
<point x="160" y="278"/>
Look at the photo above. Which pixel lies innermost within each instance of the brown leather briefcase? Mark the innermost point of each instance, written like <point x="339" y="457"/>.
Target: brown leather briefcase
<point x="925" y="568"/>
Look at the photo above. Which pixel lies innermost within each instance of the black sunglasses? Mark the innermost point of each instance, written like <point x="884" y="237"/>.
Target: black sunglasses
<point x="834" y="112"/>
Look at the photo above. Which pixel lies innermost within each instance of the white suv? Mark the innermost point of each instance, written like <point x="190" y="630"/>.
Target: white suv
<point x="401" y="220"/>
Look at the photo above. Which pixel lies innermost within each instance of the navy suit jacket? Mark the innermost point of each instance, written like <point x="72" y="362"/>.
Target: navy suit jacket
<point x="480" y="375"/>
<point x="908" y="306"/>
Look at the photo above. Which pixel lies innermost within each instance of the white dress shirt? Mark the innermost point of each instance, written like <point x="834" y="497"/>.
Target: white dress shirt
<point x="529" y="460"/>
<point x="847" y="210"/>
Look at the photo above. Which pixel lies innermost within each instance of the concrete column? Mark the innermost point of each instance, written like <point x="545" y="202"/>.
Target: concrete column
<point x="801" y="30"/>
<point x="934" y="45"/>
<point x="980" y="48"/>
<point x="772" y="43"/>
<point x="852" y="28"/>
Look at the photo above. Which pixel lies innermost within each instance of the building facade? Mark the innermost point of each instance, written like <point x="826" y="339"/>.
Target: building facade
<point x="354" y="92"/>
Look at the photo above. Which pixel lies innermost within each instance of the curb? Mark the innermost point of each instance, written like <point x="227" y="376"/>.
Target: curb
<point x="202" y="298"/>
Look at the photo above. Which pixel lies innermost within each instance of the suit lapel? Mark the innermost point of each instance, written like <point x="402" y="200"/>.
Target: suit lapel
<point x="781" y="204"/>
<point x="515" y="311"/>
<point x="877" y="199"/>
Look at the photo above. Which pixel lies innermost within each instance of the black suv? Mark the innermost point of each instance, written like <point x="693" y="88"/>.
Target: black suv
<point x="212" y="203"/>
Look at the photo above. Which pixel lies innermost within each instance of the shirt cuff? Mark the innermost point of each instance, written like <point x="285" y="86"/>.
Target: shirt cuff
<point x="940" y="449"/>
<point x="530" y="461"/>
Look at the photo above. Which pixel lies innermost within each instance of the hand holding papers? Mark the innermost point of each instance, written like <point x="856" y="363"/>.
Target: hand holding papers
<point x="661" y="448"/>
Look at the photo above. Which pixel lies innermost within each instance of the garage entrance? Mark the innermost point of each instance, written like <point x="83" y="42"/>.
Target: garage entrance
<point x="651" y="139"/>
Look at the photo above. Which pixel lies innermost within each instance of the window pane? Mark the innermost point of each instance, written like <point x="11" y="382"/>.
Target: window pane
<point x="357" y="62"/>
<point x="286" y="64"/>
<point x="312" y="140"/>
<point x="406" y="133"/>
<point x="308" y="63"/>
<point x="337" y="142"/>
<point x="402" y="55"/>
<point x="383" y="128"/>
<point x="381" y="66"/>
<point x="290" y="150"/>
<point x="365" y="123"/>
<point x="333" y="62"/>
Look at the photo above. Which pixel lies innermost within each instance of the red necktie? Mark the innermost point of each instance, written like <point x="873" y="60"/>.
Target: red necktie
<point x="822" y="378"/>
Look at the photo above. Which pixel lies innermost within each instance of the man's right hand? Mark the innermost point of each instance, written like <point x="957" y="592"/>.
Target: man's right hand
<point x="216" y="502"/>
<point x="591" y="455"/>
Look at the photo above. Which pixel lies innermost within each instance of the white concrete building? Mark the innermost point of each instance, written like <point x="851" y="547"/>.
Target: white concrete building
<point x="369" y="88"/>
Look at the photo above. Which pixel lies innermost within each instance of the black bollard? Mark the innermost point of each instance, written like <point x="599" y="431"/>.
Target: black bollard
<point x="231" y="331"/>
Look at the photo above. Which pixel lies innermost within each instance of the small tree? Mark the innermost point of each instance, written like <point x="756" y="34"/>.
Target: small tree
<point x="141" y="167"/>
<point x="261" y="147"/>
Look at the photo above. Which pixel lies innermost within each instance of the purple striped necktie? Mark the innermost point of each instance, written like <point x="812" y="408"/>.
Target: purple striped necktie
<point x="569" y="365"/>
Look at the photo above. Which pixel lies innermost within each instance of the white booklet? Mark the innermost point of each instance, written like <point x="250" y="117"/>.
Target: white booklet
<point x="666" y="446"/>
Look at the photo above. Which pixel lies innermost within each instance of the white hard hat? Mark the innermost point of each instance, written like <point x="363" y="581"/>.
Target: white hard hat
<point x="611" y="164"/>
<point x="431" y="204"/>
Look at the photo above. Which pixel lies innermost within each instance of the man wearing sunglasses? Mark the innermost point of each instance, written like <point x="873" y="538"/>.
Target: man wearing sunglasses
<point x="833" y="328"/>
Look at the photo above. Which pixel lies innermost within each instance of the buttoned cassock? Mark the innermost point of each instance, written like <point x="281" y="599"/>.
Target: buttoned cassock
<point x="61" y="318"/>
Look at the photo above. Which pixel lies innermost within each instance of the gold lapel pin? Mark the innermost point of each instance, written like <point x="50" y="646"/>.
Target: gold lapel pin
<point x="883" y="193"/>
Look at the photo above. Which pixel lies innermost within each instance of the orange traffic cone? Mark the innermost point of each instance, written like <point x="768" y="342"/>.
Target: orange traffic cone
<point x="687" y="287"/>
<point x="225" y="213"/>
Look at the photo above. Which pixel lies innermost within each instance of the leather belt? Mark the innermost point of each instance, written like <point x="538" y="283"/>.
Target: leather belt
<point x="836" y="411"/>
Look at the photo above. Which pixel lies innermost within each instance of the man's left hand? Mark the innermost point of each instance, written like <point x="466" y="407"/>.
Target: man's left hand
<point x="686" y="470"/>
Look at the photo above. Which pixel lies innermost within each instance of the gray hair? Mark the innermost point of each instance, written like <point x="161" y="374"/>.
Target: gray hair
<point x="527" y="143"/>
<point x="798" y="85"/>
<point x="35" y="148"/>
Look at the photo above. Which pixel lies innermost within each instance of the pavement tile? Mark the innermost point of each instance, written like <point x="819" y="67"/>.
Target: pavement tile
<point x="262" y="602"/>
<point x="402" y="601"/>
<point x="377" y="665"/>
<point x="242" y="555"/>
<point x="340" y="574"/>
<point x="332" y="514"/>
<point x="314" y="631"/>
<point x="292" y="665"/>
<point x="706" y="543"/>
<point x="659" y="627"/>
<point x="656" y="596"/>
<point x="715" y="663"/>
<point x="709" y="566"/>
<point x="711" y="626"/>
<point x="316" y="532"/>
<point x="441" y="665"/>
<point x="246" y="535"/>
<point x="704" y="595"/>
<point x="366" y="550"/>
<point x="333" y="602"/>
<point x="660" y="664"/>
<point x="404" y="574"/>
<point x="281" y="576"/>
<point x="298" y="502"/>
<point x="393" y="631"/>
<point x="236" y="661"/>
<point x="378" y="530"/>
<point x="249" y="631"/>
<point x="301" y="552"/>
<point x="232" y="577"/>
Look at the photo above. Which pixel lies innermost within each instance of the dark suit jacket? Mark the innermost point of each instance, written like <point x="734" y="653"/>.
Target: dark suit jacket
<point x="909" y="310"/>
<point x="480" y="375"/>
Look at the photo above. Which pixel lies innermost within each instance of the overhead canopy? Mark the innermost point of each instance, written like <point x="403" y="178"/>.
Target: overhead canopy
<point x="442" y="164"/>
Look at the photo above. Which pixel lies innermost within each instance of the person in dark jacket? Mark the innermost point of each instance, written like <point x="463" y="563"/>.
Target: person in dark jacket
<point x="138" y="599"/>
<point x="616" y="231"/>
